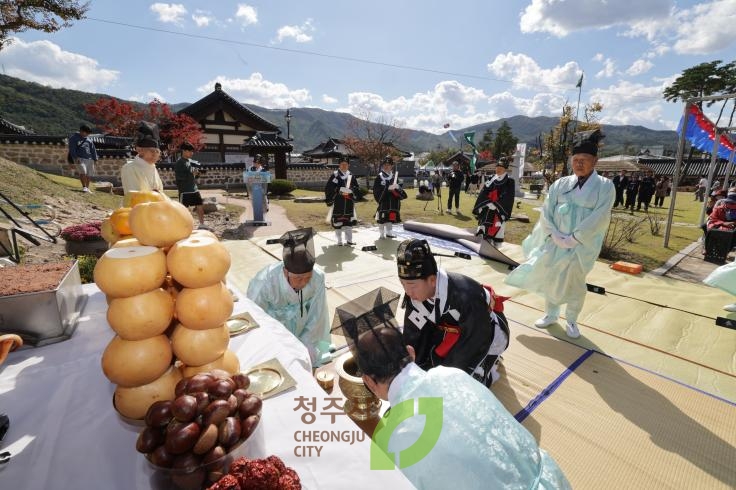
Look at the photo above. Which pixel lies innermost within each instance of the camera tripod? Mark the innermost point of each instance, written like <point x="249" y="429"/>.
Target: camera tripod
<point x="438" y="198"/>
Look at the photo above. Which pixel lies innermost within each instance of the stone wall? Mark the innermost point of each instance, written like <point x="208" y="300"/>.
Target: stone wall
<point x="51" y="158"/>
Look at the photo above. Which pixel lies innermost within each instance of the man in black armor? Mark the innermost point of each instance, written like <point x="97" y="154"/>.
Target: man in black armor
<point x="450" y="319"/>
<point x="388" y="193"/>
<point x="341" y="192"/>
<point x="494" y="203"/>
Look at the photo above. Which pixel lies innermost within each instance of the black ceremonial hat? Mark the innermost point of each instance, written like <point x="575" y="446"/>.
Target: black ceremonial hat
<point x="186" y="146"/>
<point x="587" y="142"/>
<point x="147" y="135"/>
<point x="298" y="250"/>
<point x="503" y="162"/>
<point x="415" y="260"/>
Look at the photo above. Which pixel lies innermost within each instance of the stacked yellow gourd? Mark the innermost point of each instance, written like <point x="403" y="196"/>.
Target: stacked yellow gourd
<point x="166" y="301"/>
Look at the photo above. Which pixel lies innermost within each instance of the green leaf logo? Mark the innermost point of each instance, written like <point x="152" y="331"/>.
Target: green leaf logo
<point x="431" y="408"/>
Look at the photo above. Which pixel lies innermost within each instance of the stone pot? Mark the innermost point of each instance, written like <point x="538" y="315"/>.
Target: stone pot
<point x="93" y="247"/>
<point x="361" y="403"/>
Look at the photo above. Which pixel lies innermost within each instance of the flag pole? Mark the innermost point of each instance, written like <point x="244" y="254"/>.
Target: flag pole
<point x="577" y="109"/>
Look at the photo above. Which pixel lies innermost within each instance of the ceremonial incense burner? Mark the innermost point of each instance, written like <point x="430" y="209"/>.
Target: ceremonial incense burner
<point x="361" y="403"/>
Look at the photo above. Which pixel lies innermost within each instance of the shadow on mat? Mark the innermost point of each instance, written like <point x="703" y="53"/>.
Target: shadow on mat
<point x="668" y="426"/>
<point x="333" y="256"/>
<point x="507" y="396"/>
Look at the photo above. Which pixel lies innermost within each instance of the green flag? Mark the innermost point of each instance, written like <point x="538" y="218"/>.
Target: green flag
<point x="469" y="136"/>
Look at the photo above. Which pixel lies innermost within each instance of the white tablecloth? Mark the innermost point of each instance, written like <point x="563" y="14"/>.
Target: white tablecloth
<point x="65" y="434"/>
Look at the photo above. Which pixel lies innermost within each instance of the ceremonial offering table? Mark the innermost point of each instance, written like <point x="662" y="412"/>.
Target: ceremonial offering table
<point x="65" y="434"/>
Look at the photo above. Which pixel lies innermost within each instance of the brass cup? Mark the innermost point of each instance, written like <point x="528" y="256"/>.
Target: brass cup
<point x="361" y="403"/>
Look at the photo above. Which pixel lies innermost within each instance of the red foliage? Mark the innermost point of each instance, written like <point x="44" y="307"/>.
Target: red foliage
<point x="120" y="118"/>
<point x="485" y="155"/>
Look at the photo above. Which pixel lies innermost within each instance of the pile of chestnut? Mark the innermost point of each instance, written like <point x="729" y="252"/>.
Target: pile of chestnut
<point x="211" y="415"/>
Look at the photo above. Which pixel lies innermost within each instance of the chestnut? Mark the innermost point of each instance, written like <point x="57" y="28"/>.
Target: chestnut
<point x="184" y="408"/>
<point x="207" y="440"/>
<point x="211" y="460"/>
<point x="203" y="399"/>
<point x="199" y="382"/>
<point x="149" y="439"/>
<point x="240" y="394"/>
<point x="182" y="438"/>
<point x="220" y="374"/>
<point x="234" y="404"/>
<point x="181" y="387"/>
<point x="241" y="380"/>
<point x="161" y="457"/>
<point x="248" y="425"/>
<point x="229" y="432"/>
<point x="159" y="414"/>
<point x="215" y="412"/>
<point x="251" y="405"/>
<point x="222" y="388"/>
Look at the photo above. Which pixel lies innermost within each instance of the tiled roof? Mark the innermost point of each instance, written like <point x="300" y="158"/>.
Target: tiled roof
<point x="268" y="140"/>
<point x="6" y="127"/>
<point x="218" y="100"/>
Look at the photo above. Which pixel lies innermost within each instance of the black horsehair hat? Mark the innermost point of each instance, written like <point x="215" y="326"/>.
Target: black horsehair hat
<point x="415" y="259"/>
<point x="186" y="146"/>
<point x="503" y="162"/>
<point x="587" y="142"/>
<point x="147" y="135"/>
<point x="371" y="331"/>
<point x="298" y="252"/>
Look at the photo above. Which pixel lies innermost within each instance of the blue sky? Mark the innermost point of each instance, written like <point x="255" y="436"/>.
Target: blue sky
<point x="419" y="64"/>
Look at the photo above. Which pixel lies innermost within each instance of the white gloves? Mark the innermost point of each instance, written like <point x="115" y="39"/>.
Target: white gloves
<point x="345" y="190"/>
<point x="490" y="205"/>
<point x="564" y="241"/>
<point x="393" y="187"/>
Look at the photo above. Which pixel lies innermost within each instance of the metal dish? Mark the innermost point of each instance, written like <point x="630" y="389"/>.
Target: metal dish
<point x="241" y="323"/>
<point x="269" y="379"/>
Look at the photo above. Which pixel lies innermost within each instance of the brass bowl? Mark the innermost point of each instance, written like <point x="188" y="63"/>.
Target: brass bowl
<point x="361" y="403"/>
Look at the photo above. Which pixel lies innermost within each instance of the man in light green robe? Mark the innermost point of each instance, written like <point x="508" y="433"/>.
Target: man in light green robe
<point x="459" y="436"/>
<point x="567" y="239"/>
<point x="293" y="292"/>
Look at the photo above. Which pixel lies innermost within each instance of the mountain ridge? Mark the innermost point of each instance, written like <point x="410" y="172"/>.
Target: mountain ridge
<point x="29" y="104"/>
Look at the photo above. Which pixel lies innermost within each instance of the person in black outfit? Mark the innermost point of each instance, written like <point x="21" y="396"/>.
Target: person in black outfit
<point x="341" y="192"/>
<point x="620" y="183"/>
<point x="388" y="193"/>
<point x="450" y="319"/>
<point x="494" y="203"/>
<point x="631" y="191"/>
<point x="646" y="191"/>
<point x="455" y="185"/>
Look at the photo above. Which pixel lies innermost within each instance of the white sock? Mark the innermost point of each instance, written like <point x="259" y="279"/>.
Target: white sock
<point x="381" y="228"/>
<point x="349" y="234"/>
<point x="388" y="228"/>
<point x="338" y="234"/>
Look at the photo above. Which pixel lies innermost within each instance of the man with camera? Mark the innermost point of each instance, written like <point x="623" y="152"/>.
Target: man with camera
<point x="185" y="171"/>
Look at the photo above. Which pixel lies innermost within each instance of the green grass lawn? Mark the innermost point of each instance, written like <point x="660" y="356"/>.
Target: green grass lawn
<point x="647" y="249"/>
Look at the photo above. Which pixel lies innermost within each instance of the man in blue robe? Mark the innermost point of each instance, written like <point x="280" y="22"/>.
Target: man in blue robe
<point x="567" y="239"/>
<point x="476" y="443"/>
<point x="293" y="292"/>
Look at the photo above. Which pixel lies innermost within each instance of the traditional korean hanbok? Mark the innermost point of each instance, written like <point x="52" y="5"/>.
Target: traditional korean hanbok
<point x="388" y="193"/>
<point x="341" y="192"/>
<point x="555" y="272"/>
<point x="493" y="206"/>
<point x="480" y="445"/>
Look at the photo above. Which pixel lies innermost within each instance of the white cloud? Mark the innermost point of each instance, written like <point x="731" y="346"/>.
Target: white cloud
<point x="149" y="97"/>
<point x="203" y="18"/>
<point x="46" y="63"/>
<point x="639" y="67"/>
<point x="609" y="67"/>
<point x="246" y="14"/>
<point x="328" y="100"/>
<point x="257" y="90"/>
<point x="561" y="18"/>
<point x="633" y="103"/>
<point x="172" y="13"/>
<point x="301" y="34"/>
<point x="706" y="28"/>
<point x="524" y="72"/>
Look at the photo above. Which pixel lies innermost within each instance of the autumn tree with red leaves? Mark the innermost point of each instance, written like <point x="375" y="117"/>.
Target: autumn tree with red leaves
<point x="118" y="118"/>
<point x="372" y="138"/>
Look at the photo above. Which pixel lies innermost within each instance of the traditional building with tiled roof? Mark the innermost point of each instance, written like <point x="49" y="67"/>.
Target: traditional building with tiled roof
<point x="233" y="132"/>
